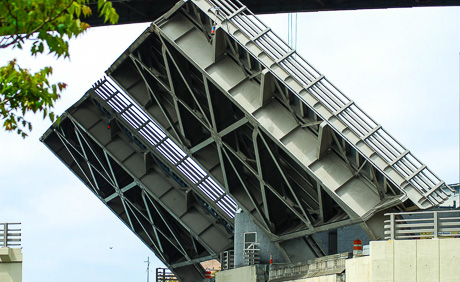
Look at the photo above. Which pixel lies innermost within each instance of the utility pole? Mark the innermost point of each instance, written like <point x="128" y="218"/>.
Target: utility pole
<point x="148" y="268"/>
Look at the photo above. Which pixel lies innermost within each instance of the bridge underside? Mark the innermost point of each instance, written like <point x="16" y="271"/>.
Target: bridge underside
<point x="290" y="148"/>
<point x="140" y="187"/>
<point x="212" y="111"/>
<point x="136" y="11"/>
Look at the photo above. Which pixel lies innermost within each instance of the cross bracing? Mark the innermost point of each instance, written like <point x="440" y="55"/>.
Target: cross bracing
<point x="219" y="107"/>
<point x="143" y="130"/>
<point x="181" y="227"/>
<point x="140" y="122"/>
<point x="273" y="131"/>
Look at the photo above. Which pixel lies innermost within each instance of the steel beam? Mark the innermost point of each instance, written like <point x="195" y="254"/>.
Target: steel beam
<point x="150" y="199"/>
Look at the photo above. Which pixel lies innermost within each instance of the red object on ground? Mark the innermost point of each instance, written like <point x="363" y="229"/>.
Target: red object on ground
<point x="271" y="259"/>
<point x="207" y="274"/>
<point x="357" y="247"/>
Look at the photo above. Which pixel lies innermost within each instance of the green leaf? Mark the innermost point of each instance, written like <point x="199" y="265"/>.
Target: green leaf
<point x="47" y="25"/>
<point x="61" y="29"/>
<point x="100" y="3"/>
<point x="77" y="9"/>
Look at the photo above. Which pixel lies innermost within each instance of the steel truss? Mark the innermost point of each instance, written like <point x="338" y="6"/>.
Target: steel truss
<point x="179" y="226"/>
<point x="211" y="110"/>
<point x="220" y="137"/>
<point x="291" y="149"/>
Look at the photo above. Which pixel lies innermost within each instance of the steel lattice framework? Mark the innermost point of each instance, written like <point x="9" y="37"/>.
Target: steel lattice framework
<point x="210" y="111"/>
<point x="274" y="132"/>
<point x="140" y="187"/>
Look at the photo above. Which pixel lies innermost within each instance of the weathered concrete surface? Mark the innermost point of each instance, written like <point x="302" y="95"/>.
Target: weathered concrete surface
<point x="326" y="278"/>
<point x="252" y="273"/>
<point x="433" y="260"/>
<point x="243" y="224"/>
<point x="10" y="265"/>
<point x="358" y="268"/>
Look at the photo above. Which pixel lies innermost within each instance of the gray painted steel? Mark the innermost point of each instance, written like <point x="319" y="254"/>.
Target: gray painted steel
<point x="10" y="235"/>
<point x="294" y="152"/>
<point x="219" y="111"/>
<point x="423" y="225"/>
<point x="245" y="224"/>
<point x="180" y="226"/>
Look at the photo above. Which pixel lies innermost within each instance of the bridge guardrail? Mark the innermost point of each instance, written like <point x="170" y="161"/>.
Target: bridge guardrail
<point x="395" y="155"/>
<point x="10" y="235"/>
<point x="422" y="225"/>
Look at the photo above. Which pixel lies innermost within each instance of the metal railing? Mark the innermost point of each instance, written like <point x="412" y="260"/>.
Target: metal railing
<point x="422" y="225"/>
<point x="227" y="260"/>
<point x="154" y="134"/>
<point x="10" y="235"/>
<point x="165" y="275"/>
<point x="338" y="104"/>
<point x="251" y="254"/>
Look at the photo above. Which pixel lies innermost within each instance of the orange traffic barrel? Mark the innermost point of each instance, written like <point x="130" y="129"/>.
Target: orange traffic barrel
<point x="207" y="274"/>
<point x="357" y="247"/>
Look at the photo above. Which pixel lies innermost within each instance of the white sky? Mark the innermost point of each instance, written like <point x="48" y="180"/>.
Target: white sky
<point x="400" y="66"/>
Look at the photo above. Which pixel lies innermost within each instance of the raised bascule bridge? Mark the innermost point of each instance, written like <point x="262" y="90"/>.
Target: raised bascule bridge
<point x="208" y="112"/>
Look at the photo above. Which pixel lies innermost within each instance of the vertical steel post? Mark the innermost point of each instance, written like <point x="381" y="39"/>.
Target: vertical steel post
<point x="435" y="223"/>
<point x="392" y="226"/>
<point x="222" y="261"/>
<point x="148" y="268"/>
<point x="4" y="234"/>
<point x="5" y="237"/>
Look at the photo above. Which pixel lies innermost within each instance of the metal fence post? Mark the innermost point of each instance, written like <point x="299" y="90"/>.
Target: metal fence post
<point x="5" y="235"/>
<point x="392" y="226"/>
<point x="435" y="223"/>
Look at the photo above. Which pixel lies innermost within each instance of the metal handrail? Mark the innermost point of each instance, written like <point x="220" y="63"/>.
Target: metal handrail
<point x="10" y="237"/>
<point x="422" y="225"/>
<point x="227" y="260"/>
<point x="251" y="254"/>
<point x="165" y="275"/>
<point x="337" y="103"/>
<point x="152" y="132"/>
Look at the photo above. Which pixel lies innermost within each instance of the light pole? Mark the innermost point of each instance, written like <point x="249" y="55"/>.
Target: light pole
<point x="148" y="268"/>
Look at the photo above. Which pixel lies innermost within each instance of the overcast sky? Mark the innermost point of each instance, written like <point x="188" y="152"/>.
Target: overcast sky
<point x="401" y="66"/>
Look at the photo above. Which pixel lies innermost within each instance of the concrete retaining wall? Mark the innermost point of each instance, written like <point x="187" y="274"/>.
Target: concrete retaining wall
<point x="252" y="273"/>
<point x="10" y="265"/>
<point x="433" y="260"/>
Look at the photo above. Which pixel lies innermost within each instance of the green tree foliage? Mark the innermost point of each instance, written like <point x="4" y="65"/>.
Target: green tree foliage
<point x="47" y="25"/>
